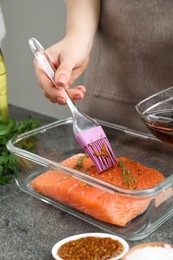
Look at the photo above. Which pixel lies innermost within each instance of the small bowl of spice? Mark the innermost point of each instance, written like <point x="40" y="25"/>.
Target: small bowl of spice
<point x="88" y="246"/>
<point x="150" y="251"/>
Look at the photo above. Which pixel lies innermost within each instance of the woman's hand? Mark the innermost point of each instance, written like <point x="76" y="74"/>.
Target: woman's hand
<point x="69" y="58"/>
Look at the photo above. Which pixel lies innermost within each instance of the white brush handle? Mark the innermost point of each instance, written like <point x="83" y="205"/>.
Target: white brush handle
<point x="40" y="55"/>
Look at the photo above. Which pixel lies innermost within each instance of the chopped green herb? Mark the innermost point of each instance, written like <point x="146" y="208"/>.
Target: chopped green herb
<point x="129" y="180"/>
<point x="8" y="162"/>
<point x="79" y="164"/>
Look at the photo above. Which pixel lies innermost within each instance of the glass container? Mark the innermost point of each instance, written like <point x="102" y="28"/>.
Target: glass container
<point x="55" y="142"/>
<point x="156" y="112"/>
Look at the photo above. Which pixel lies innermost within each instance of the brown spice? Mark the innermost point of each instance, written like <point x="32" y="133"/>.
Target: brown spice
<point x="111" y="177"/>
<point x="129" y="180"/>
<point x="103" y="152"/>
<point x="90" y="248"/>
<point x="83" y="184"/>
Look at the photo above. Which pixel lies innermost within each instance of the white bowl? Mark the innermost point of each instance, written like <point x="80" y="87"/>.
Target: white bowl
<point x="65" y="240"/>
<point x="146" y="245"/>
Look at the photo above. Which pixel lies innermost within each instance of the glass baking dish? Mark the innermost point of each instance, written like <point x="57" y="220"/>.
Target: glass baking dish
<point x="55" y="142"/>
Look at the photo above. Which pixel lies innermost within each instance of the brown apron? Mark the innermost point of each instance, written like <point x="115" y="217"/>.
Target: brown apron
<point x="132" y="58"/>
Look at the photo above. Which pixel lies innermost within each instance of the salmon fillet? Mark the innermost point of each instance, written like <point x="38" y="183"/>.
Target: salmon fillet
<point x="117" y="209"/>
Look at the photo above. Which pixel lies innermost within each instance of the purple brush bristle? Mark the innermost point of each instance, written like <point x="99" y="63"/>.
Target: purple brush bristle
<point x="96" y="145"/>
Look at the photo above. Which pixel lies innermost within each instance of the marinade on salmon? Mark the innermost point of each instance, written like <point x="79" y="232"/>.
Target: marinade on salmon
<point x="114" y="208"/>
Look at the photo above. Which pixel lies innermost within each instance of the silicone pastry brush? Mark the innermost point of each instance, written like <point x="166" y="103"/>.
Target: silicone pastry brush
<point x="88" y="133"/>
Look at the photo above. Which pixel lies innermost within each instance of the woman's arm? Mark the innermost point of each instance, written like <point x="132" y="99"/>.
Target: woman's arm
<point x="82" y="19"/>
<point x="70" y="56"/>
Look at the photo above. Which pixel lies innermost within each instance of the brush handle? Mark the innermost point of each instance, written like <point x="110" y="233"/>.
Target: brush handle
<point x="42" y="58"/>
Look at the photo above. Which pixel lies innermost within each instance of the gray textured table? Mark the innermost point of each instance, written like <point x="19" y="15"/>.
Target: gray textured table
<point x="29" y="228"/>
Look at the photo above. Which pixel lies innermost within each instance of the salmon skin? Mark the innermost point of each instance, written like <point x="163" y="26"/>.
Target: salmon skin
<point x="117" y="209"/>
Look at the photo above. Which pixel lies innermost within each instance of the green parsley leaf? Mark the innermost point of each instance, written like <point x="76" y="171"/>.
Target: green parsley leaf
<point x="8" y="161"/>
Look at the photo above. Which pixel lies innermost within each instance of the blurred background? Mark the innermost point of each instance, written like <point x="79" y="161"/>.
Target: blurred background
<point x="46" y="21"/>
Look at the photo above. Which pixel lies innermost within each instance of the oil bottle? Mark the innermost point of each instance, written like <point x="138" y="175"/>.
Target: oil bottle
<point x="3" y="89"/>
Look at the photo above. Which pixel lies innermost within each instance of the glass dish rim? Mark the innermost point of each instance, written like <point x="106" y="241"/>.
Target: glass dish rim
<point x="82" y="176"/>
<point x="137" y="106"/>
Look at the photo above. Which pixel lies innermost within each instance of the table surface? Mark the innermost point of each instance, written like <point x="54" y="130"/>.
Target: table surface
<point x="29" y="227"/>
